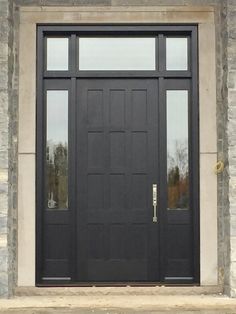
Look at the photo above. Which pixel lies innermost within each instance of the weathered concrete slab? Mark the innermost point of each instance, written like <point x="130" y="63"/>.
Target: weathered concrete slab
<point x="110" y="311"/>
<point x="120" y="304"/>
<point x="116" y="291"/>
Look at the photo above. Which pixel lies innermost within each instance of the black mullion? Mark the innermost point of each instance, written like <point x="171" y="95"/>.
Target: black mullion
<point x="106" y="171"/>
<point x="177" y="74"/>
<point x="119" y="74"/>
<point x="57" y="74"/>
<point x="77" y="55"/>
<point x="128" y="161"/>
<point x="157" y="53"/>
<point x="72" y="55"/>
<point x="189" y="52"/>
<point x="195" y="155"/>
<point x="39" y="153"/>
<point x="162" y="54"/>
<point x="72" y="174"/>
<point x="121" y="27"/>
<point x="191" y="168"/>
<point x="162" y="176"/>
<point x="44" y="54"/>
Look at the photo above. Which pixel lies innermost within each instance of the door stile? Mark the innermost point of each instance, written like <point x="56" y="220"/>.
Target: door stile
<point x="162" y="153"/>
<point x="81" y="193"/>
<point x="153" y="165"/>
<point x="128" y="159"/>
<point x="72" y="112"/>
<point x="106" y="170"/>
<point x="162" y="175"/>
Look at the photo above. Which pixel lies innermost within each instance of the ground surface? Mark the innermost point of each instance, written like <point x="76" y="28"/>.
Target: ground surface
<point x="119" y="304"/>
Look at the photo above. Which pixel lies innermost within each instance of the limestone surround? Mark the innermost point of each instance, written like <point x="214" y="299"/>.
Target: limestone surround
<point x="201" y="15"/>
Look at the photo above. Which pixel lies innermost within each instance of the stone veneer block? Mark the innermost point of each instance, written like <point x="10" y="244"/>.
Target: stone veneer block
<point x="207" y="82"/>
<point x="26" y="219"/>
<point x="4" y="148"/>
<point x="231" y="84"/>
<point x="233" y="250"/>
<point x="208" y="217"/>
<point x="27" y="97"/>
<point x="108" y="14"/>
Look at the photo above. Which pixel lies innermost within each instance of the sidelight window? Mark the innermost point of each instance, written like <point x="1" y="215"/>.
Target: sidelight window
<point x="177" y="149"/>
<point x="57" y="149"/>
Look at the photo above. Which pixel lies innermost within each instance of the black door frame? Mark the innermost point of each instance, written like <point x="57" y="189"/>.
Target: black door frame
<point x="162" y="75"/>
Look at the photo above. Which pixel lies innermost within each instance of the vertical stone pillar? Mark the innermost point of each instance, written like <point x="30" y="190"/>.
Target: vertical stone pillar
<point x="231" y="85"/>
<point x="4" y="121"/>
<point x="5" y="170"/>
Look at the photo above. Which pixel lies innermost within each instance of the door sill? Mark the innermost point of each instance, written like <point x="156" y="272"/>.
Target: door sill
<point x="99" y="284"/>
<point x="115" y="284"/>
<point x="147" y="289"/>
<point x="67" y="282"/>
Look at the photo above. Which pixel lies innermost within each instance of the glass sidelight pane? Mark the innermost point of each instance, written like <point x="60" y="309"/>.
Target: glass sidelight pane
<point x="57" y="54"/>
<point x="177" y="149"/>
<point x="57" y="149"/>
<point x="177" y="54"/>
<point x="117" y="54"/>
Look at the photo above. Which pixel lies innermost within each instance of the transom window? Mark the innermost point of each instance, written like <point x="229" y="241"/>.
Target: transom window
<point x="119" y="53"/>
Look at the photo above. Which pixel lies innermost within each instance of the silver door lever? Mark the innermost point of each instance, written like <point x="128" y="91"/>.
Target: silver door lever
<point x="154" y="202"/>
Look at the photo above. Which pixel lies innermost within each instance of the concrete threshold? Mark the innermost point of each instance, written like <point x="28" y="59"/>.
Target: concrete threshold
<point x="219" y="304"/>
<point x="117" y="291"/>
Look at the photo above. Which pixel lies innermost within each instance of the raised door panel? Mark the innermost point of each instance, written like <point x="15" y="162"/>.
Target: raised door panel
<point x="116" y="166"/>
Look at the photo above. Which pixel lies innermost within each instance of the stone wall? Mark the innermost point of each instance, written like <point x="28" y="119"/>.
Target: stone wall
<point x="231" y="129"/>
<point x="226" y="129"/>
<point x="222" y="118"/>
<point x="13" y="150"/>
<point x="8" y="151"/>
<point x="5" y="86"/>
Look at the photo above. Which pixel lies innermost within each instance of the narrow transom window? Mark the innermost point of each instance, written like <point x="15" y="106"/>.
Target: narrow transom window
<point x="177" y="53"/>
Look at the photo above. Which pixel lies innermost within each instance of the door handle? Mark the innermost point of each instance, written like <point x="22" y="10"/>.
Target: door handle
<point x="154" y="202"/>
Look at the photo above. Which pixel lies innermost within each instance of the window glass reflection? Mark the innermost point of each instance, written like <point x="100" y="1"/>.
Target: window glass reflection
<point x="57" y="149"/>
<point x="57" y="54"/>
<point x="117" y="54"/>
<point x="177" y="149"/>
<point x="177" y="54"/>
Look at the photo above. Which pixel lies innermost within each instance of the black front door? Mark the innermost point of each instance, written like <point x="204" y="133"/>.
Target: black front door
<point x="117" y="155"/>
<point x="117" y="165"/>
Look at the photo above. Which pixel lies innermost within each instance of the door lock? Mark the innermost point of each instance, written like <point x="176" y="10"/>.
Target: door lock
<point x="154" y="202"/>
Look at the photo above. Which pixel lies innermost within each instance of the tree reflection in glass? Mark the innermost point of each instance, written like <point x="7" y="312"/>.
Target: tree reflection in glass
<point x="177" y="149"/>
<point x="57" y="149"/>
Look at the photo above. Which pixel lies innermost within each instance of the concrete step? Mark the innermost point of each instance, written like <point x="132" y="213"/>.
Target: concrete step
<point x="219" y="304"/>
<point x="125" y="290"/>
<point x="111" y="311"/>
